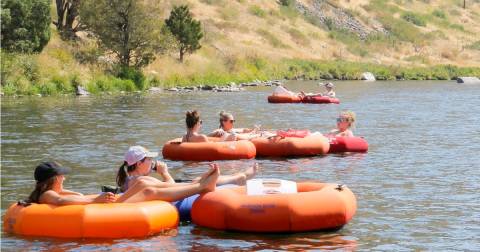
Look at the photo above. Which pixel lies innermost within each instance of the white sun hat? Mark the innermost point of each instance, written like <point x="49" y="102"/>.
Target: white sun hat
<point x="137" y="153"/>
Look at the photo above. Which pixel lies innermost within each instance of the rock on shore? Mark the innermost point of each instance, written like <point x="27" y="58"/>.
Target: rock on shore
<point x="367" y="76"/>
<point x="468" y="80"/>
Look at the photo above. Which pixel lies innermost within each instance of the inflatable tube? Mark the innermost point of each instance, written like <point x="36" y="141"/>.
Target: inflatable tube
<point x="208" y="151"/>
<point x="184" y="206"/>
<point x="347" y="144"/>
<point x="311" y="145"/>
<point x="114" y="220"/>
<point x="319" y="99"/>
<point x="316" y="206"/>
<point x="284" y="99"/>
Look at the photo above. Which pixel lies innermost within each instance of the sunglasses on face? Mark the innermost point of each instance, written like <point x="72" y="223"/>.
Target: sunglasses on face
<point x="339" y="120"/>
<point x="200" y="121"/>
<point x="228" y="120"/>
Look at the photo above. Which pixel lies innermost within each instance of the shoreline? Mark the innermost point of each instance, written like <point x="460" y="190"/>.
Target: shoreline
<point x="227" y="88"/>
<point x="267" y="74"/>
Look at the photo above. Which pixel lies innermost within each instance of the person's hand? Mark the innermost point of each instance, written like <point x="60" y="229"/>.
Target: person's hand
<point x="162" y="168"/>
<point x="107" y="197"/>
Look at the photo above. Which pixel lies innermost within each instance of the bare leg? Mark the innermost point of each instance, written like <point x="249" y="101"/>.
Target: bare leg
<point x="237" y="179"/>
<point x="141" y="193"/>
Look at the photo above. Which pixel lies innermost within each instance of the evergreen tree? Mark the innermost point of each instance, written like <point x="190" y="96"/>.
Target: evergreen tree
<point x="185" y="29"/>
<point x="25" y="25"/>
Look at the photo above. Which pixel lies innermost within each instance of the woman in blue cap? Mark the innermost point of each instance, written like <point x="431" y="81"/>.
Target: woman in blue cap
<point x="49" y="177"/>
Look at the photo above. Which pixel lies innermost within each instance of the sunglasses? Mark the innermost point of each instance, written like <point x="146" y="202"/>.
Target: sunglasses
<point x="226" y="120"/>
<point x="200" y="121"/>
<point x="342" y="120"/>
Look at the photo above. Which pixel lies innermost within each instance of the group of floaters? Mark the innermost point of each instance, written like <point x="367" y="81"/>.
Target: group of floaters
<point x="283" y="95"/>
<point x="227" y="142"/>
<point x="146" y="205"/>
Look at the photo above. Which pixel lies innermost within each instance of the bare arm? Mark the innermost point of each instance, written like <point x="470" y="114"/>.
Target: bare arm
<point x="51" y="197"/>
<point x="216" y="133"/>
<point x="162" y="170"/>
<point x="68" y="192"/>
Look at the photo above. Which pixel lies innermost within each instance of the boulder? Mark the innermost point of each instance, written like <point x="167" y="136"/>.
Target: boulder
<point x="367" y="76"/>
<point x="80" y="91"/>
<point x="207" y="87"/>
<point x="468" y="80"/>
<point x="155" y="90"/>
<point x="173" y="89"/>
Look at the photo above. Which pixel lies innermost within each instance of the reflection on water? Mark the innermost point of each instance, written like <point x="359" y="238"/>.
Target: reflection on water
<point x="417" y="188"/>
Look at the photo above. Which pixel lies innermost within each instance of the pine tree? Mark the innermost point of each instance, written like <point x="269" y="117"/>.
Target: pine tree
<point x="185" y="29"/>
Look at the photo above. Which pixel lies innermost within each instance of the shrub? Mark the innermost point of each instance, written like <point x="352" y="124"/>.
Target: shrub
<point x="62" y="84"/>
<point x="133" y="74"/>
<point x="257" y="11"/>
<point x="457" y="27"/>
<point x="48" y="88"/>
<point x="439" y="13"/>
<point x="414" y="18"/>
<point x="287" y="3"/>
<point x="298" y="36"/>
<point x="474" y="46"/>
<point x="274" y="41"/>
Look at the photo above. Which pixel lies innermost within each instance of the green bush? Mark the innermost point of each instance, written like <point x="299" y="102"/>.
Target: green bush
<point x="48" y="88"/>
<point x="133" y="74"/>
<point x="257" y="11"/>
<point x="274" y="41"/>
<point x="287" y="3"/>
<point x="457" y="27"/>
<point x="439" y="13"/>
<point x="414" y="18"/>
<point x="474" y="46"/>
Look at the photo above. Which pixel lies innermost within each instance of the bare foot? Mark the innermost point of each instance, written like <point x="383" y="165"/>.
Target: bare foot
<point x="251" y="171"/>
<point x="208" y="182"/>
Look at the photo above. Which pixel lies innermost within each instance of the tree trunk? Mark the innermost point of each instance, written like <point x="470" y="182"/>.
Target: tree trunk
<point x="72" y="13"/>
<point x="60" y="13"/>
<point x="67" y="12"/>
<point x="182" y="52"/>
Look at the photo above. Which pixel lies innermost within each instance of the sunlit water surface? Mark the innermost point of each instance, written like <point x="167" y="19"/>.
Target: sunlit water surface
<point x="417" y="188"/>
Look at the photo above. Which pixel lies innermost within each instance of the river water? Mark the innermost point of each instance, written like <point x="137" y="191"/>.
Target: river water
<point x="417" y="188"/>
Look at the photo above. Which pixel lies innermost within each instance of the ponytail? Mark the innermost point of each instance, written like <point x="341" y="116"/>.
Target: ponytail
<point x="40" y="188"/>
<point x="192" y="118"/>
<point x="123" y="171"/>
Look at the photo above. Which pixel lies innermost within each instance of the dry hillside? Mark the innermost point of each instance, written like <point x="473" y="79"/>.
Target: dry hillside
<point x="361" y="30"/>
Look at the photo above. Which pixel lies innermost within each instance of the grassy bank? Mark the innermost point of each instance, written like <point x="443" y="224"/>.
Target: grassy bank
<point x="22" y="75"/>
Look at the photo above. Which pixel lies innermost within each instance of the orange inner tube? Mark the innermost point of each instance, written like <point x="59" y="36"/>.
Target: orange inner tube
<point x="208" y="151"/>
<point x="284" y="99"/>
<point x="316" y="206"/>
<point x="291" y="146"/>
<point x="114" y="220"/>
